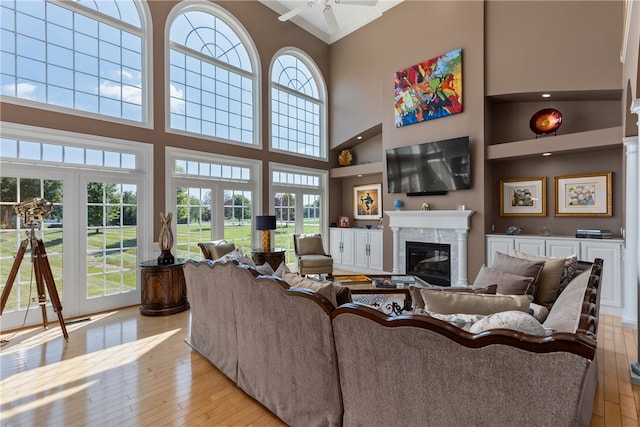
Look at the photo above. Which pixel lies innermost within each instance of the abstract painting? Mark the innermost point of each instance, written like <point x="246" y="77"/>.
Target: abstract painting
<point x="429" y="90"/>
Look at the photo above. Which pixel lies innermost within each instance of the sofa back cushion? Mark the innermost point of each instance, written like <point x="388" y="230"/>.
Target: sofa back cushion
<point x="444" y="302"/>
<point x="564" y="315"/>
<point x="326" y="289"/>
<point x="418" y="302"/>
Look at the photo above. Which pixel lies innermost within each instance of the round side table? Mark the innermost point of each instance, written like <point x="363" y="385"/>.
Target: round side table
<point x="164" y="290"/>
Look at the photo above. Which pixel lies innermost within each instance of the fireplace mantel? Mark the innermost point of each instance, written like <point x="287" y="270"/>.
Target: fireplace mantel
<point x="410" y="225"/>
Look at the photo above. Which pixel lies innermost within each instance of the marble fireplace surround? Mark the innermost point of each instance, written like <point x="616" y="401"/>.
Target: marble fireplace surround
<point x="439" y="226"/>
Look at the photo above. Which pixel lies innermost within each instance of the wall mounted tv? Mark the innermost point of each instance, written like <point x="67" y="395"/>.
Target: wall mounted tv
<point x="429" y="168"/>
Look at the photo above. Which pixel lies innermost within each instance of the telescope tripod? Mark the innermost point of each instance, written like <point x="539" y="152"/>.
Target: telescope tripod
<point x="42" y="270"/>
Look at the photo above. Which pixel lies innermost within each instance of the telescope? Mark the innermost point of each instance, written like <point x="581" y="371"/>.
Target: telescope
<point x="33" y="211"/>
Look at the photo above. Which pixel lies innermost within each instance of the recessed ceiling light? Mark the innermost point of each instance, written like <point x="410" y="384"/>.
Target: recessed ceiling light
<point x="359" y="175"/>
<point x="546" y="95"/>
<point x="546" y="154"/>
<point x="359" y="137"/>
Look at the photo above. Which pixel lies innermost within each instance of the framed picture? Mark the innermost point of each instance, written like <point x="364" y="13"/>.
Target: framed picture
<point x="367" y="201"/>
<point x="344" y="222"/>
<point x="583" y="195"/>
<point x="523" y="197"/>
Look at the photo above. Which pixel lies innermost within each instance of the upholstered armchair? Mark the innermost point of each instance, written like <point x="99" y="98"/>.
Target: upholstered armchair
<point x="216" y="249"/>
<point x="310" y="255"/>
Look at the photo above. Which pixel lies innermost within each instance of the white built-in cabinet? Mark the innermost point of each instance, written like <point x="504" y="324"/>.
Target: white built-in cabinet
<point x="356" y="249"/>
<point x="610" y="250"/>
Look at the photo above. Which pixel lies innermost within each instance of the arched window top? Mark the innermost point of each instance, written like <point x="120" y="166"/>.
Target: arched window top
<point x="125" y="11"/>
<point x="209" y="35"/>
<point x="290" y="71"/>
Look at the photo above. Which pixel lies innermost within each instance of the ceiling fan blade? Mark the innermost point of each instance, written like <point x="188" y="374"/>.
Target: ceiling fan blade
<point x="330" y="18"/>
<point x="294" y="12"/>
<point x="358" y="2"/>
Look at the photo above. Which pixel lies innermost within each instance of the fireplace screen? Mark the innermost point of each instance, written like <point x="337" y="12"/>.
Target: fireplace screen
<point x="429" y="261"/>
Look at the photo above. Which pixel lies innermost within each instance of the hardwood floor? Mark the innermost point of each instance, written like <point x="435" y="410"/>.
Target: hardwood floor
<point x="121" y="368"/>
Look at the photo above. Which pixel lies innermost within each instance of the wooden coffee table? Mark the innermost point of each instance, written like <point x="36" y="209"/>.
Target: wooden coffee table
<point x="360" y="284"/>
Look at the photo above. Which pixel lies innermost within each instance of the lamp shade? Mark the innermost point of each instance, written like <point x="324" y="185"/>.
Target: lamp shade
<point x="266" y="222"/>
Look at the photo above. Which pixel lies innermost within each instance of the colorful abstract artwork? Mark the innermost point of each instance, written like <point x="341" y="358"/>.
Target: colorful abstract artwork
<point x="429" y="90"/>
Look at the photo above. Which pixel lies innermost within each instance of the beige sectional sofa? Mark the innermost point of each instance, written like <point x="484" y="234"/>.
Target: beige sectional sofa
<point x="312" y="364"/>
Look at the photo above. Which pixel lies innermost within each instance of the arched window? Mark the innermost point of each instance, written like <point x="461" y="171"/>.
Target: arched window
<point x="85" y="55"/>
<point x="213" y="78"/>
<point x="298" y="108"/>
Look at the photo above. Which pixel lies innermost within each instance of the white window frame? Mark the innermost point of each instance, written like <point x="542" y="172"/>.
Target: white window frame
<point x="147" y="76"/>
<point x="323" y="97"/>
<point x="74" y="205"/>
<point x="252" y="51"/>
<point x="174" y="180"/>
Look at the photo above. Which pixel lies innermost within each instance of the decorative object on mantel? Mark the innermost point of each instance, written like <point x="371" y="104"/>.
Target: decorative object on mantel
<point x="165" y="240"/>
<point x="398" y="204"/>
<point x="345" y="157"/>
<point x="546" y="121"/>
<point x="424" y="207"/>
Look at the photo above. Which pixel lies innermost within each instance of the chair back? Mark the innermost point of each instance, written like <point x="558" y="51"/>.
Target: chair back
<point x="308" y="244"/>
<point x="216" y="249"/>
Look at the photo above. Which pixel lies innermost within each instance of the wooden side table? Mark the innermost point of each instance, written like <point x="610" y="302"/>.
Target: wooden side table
<point x="164" y="290"/>
<point x="274" y="257"/>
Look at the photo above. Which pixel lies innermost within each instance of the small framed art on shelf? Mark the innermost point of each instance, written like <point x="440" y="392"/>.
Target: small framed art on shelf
<point x="583" y="195"/>
<point x="523" y="197"/>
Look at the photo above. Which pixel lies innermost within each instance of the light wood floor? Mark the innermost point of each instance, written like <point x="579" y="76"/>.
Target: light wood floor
<point x="121" y="368"/>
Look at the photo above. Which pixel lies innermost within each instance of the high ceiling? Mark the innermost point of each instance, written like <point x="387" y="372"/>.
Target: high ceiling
<point x="311" y="15"/>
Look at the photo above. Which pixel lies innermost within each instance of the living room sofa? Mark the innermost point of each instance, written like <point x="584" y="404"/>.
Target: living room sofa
<point x="313" y="364"/>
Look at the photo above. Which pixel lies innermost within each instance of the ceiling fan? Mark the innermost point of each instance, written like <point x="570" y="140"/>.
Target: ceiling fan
<point x="327" y="11"/>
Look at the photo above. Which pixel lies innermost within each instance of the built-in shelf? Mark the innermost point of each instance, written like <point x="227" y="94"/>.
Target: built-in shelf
<point x="356" y="170"/>
<point x="589" y="140"/>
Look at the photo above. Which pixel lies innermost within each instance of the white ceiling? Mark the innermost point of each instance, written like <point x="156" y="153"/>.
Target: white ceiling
<point x="349" y="17"/>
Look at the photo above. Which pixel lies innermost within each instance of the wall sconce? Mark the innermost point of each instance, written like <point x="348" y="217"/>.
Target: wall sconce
<point x="266" y="223"/>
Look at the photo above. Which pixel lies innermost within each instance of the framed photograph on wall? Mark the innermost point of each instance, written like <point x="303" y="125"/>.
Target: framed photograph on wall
<point x="344" y="221"/>
<point x="367" y="201"/>
<point x="583" y="195"/>
<point x="523" y="197"/>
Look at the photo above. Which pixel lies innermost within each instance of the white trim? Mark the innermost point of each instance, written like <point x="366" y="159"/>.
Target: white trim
<point x="631" y="235"/>
<point x="627" y="30"/>
<point x="243" y="34"/>
<point x="323" y="98"/>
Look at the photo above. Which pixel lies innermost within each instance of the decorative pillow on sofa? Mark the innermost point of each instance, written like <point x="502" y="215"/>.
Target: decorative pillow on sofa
<point x="325" y="289"/>
<point x="569" y="271"/>
<point x="508" y="284"/>
<point x="216" y="249"/>
<point x="418" y="302"/>
<point x="282" y="268"/>
<point x="238" y="255"/>
<point x="564" y="316"/>
<point x="549" y="278"/>
<point x="265" y="269"/>
<point x="520" y="267"/>
<point x="514" y="320"/>
<point x="444" y="302"/>
<point x="462" y="321"/>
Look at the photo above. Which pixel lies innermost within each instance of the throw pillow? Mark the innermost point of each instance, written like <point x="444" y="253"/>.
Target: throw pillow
<point x="282" y="268"/>
<point x="462" y="321"/>
<point x="309" y="244"/>
<point x="265" y="269"/>
<point x="326" y="289"/>
<point x="238" y="255"/>
<point x="540" y="312"/>
<point x="569" y="271"/>
<point x="418" y="302"/>
<point x="549" y="279"/>
<point x="564" y="316"/>
<point x="444" y="302"/>
<point x="508" y="284"/>
<point x="519" y="266"/>
<point x="514" y="320"/>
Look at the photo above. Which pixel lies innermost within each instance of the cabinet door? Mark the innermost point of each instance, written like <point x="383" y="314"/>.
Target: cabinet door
<point x="335" y="244"/>
<point x="361" y="252"/>
<point x="498" y="244"/>
<point x="611" y="281"/>
<point x="348" y="246"/>
<point x="376" y="250"/>
<point x="530" y="246"/>
<point x="562" y="248"/>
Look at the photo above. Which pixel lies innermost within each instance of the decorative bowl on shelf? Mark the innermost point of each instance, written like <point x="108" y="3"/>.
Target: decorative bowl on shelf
<point x="345" y="158"/>
<point x="546" y="121"/>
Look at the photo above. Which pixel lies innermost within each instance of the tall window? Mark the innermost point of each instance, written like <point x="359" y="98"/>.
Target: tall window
<point x="298" y="111"/>
<point x="84" y="55"/>
<point x="298" y="203"/>
<point x="213" y="197"/>
<point x="213" y="83"/>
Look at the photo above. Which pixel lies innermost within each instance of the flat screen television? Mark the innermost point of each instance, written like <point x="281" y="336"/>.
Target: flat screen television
<point x="429" y="168"/>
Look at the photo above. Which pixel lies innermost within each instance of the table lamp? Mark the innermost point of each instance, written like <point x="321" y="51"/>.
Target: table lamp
<point x="266" y="223"/>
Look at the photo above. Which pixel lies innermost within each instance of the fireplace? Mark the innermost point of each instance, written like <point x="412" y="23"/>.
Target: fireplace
<point x="429" y="261"/>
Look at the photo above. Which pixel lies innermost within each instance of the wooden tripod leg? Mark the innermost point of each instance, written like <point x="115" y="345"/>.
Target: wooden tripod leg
<point x="12" y="275"/>
<point x="46" y="274"/>
<point x="40" y="286"/>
